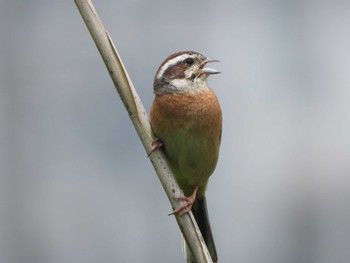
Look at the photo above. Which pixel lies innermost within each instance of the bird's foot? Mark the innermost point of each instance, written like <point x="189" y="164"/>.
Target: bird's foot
<point x="187" y="206"/>
<point x="156" y="144"/>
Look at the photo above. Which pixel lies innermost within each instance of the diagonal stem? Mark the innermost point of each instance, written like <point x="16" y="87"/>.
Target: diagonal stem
<point x="138" y="116"/>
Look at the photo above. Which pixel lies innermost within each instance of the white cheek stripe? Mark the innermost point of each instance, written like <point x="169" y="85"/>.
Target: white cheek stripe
<point x="186" y="86"/>
<point x="172" y="62"/>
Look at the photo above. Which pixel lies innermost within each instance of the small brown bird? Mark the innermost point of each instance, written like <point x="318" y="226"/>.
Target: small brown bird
<point x="186" y="119"/>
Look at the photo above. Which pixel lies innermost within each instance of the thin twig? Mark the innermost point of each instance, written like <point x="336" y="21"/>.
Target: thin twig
<point x="138" y="116"/>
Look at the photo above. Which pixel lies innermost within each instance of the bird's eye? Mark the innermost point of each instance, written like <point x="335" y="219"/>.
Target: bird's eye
<point x="189" y="61"/>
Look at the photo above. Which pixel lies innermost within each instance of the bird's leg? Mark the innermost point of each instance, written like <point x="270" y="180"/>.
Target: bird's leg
<point x="156" y="144"/>
<point x="187" y="206"/>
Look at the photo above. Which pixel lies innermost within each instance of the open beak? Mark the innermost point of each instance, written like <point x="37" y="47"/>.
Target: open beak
<point x="207" y="70"/>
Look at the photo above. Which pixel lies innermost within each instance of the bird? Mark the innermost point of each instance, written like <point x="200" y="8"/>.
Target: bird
<point x="186" y="120"/>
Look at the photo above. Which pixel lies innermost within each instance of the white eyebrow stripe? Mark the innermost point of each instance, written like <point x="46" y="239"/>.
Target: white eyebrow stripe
<point x="172" y="62"/>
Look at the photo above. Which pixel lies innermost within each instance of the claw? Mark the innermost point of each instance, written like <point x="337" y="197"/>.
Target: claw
<point x="156" y="144"/>
<point x="187" y="206"/>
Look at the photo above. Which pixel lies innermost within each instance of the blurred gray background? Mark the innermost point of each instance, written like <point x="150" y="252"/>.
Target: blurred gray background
<point x="75" y="183"/>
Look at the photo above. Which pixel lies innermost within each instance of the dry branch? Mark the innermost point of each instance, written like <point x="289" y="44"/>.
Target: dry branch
<point x="138" y="116"/>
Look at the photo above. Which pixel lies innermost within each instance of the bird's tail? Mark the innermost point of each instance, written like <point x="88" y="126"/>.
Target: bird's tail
<point x="200" y="213"/>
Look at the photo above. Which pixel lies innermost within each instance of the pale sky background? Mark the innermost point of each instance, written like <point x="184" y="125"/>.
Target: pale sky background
<point x="75" y="183"/>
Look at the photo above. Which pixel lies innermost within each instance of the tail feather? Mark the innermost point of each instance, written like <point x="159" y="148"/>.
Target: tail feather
<point x="200" y="213"/>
